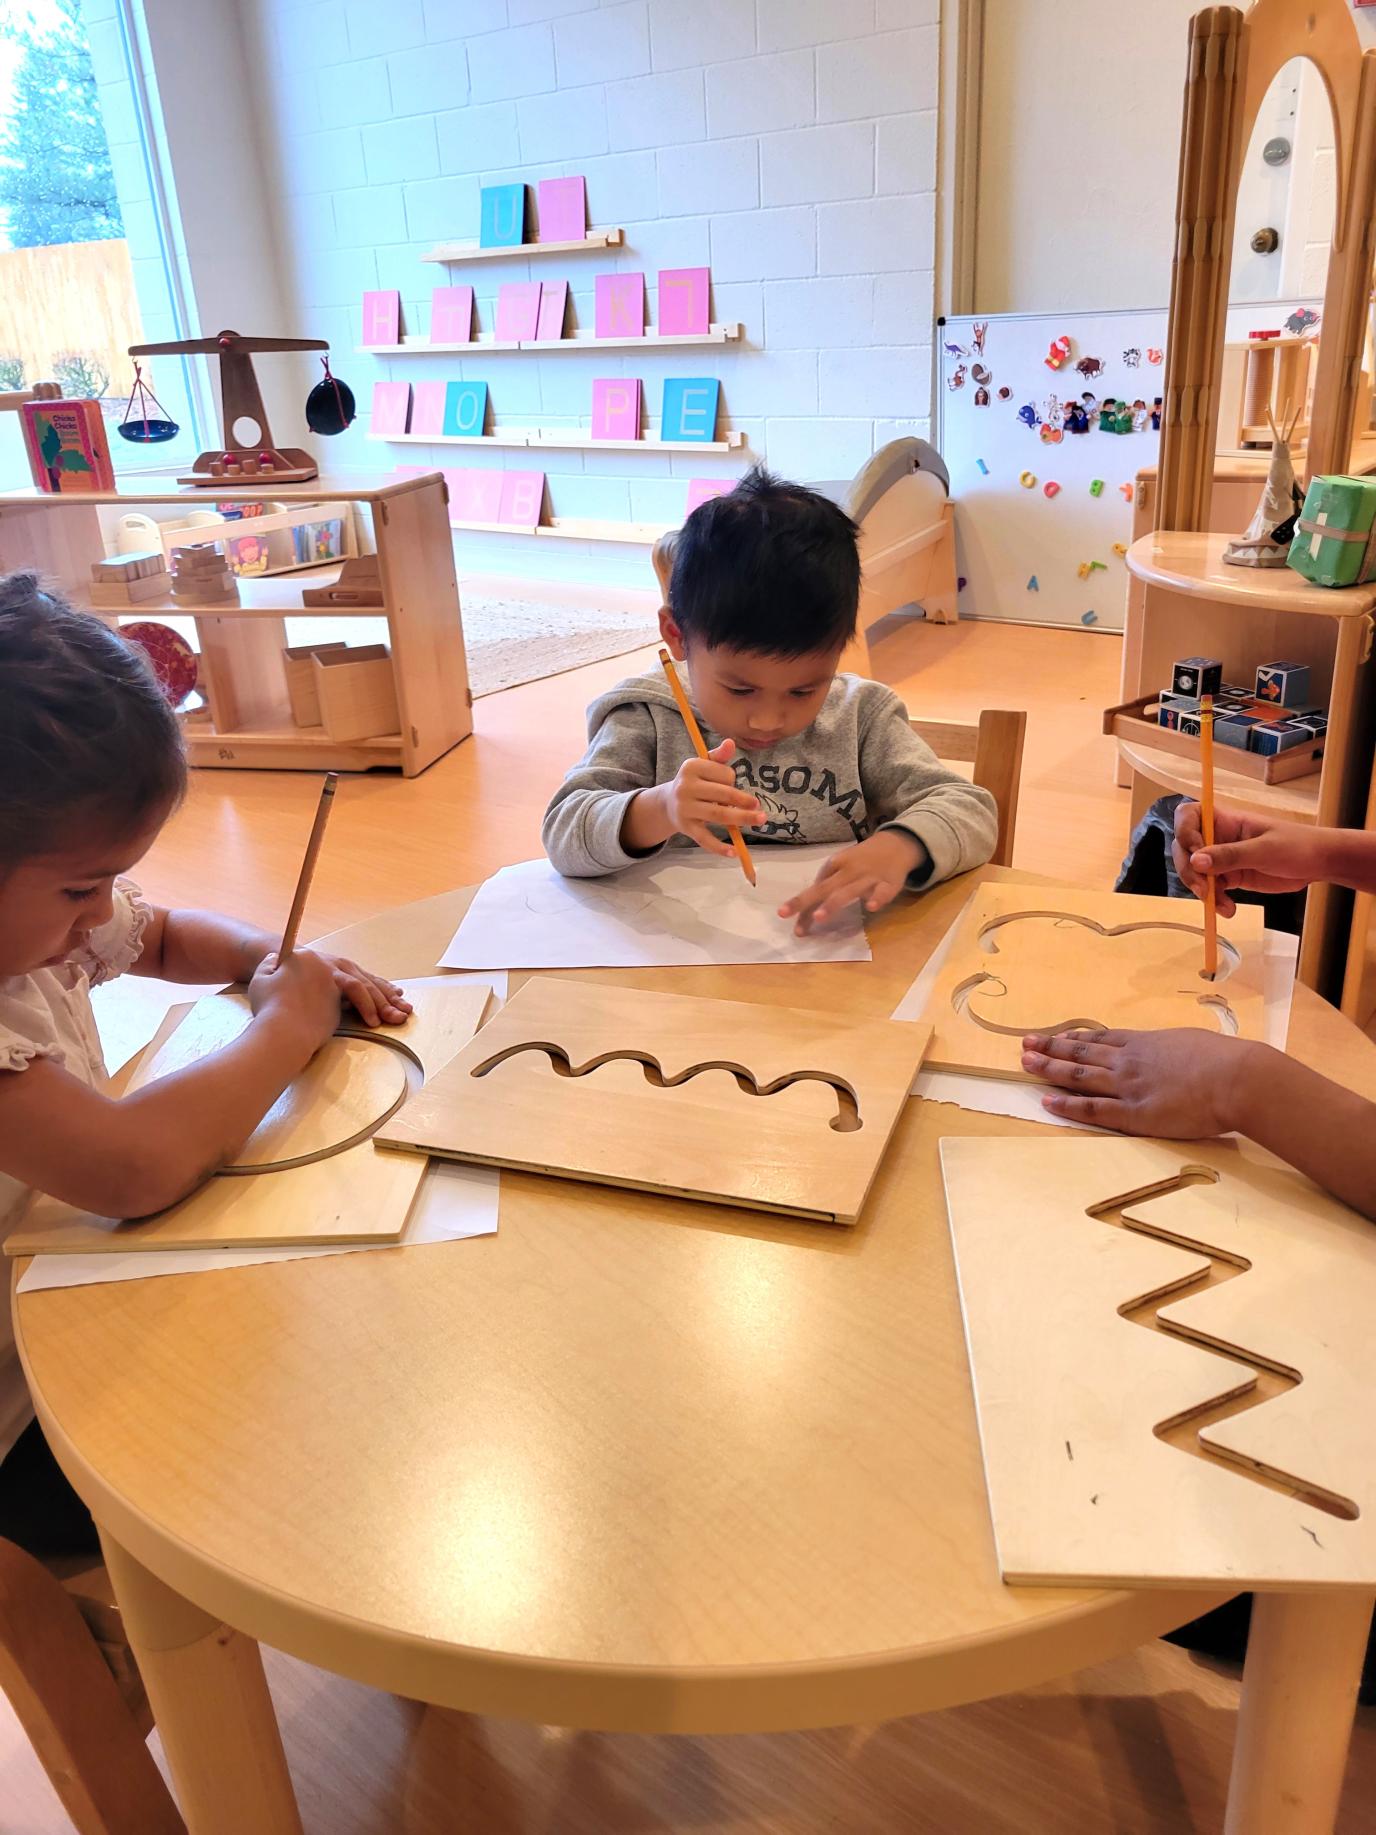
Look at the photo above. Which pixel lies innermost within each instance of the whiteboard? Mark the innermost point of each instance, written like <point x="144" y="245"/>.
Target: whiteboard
<point x="1009" y="534"/>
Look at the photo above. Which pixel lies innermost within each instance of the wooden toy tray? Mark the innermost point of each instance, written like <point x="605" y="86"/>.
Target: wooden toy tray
<point x="1129" y="721"/>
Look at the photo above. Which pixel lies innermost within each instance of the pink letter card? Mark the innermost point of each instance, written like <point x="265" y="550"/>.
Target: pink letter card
<point x="391" y="405"/>
<point x="683" y="302"/>
<point x="451" y="315"/>
<point x="427" y="408"/>
<point x="474" y="496"/>
<point x="616" y="408"/>
<point x="619" y="310"/>
<point x="382" y="318"/>
<point x="518" y="311"/>
<point x="702" y="490"/>
<point x="523" y="498"/>
<point x="554" y="299"/>
<point x="563" y="206"/>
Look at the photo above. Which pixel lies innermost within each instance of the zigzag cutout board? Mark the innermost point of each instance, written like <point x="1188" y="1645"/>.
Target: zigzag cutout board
<point x="1172" y="1353"/>
<point x="768" y="1107"/>
<point x="1049" y="958"/>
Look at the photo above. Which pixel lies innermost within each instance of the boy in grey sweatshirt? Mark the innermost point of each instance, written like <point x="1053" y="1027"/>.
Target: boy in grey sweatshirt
<point x="762" y="601"/>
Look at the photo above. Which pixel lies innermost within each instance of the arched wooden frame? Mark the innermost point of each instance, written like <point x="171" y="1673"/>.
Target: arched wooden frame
<point x="1233" y="58"/>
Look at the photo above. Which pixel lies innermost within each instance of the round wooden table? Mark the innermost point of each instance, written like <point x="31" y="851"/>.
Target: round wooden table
<point x="631" y="1464"/>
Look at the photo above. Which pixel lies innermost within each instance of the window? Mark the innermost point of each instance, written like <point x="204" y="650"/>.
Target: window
<point x="83" y="260"/>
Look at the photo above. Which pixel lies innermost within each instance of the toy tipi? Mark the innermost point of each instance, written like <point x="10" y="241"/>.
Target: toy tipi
<point x="1265" y="542"/>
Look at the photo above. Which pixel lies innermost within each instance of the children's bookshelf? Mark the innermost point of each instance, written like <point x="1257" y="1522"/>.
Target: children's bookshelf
<point x="246" y="721"/>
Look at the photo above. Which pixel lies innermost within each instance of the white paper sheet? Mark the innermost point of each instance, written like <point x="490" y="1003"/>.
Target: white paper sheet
<point x="679" y="909"/>
<point x="1023" y="1101"/>
<point x="454" y="1202"/>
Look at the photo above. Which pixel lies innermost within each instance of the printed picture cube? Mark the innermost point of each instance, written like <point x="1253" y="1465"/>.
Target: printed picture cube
<point x="1168" y="717"/>
<point x="1189" y="725"/>
<point x="1283" y="684"/>
<point x="1234" y="729"/>
<point x="1197" y="675"/>
<point x="1183" y="703"/>
<point x="1270" y="739"/>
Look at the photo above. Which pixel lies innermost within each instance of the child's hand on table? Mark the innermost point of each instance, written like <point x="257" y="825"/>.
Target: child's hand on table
<point x="704" y="791"/>
<point x="1253" y="852"/>
<point x="871" y="874"/>
<point x="376" y="1001"/>
<point x="1176" y="1085"/>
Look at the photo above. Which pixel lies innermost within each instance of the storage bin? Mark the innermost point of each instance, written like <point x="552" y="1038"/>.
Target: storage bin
<point x="305" y="702"/>
<point x="356" y="691"/>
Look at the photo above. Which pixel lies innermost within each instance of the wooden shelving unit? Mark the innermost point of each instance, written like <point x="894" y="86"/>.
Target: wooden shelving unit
<point x="1197" y="605"/>
<point x="249" y="723"/>
<point x="553" y="439"/>
<point x="485" y="345"/>
<point x="451" y="252"/>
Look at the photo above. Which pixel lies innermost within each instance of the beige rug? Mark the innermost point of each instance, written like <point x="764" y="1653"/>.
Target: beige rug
<point x="520" y="640"/>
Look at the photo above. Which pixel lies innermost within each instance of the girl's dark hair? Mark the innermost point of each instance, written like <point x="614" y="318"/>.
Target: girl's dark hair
<point x="86" y="735"/>
<point x="770" y="567"/>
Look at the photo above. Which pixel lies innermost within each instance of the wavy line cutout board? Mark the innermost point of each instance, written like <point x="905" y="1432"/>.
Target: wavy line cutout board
<point x="1047" y="958"/>
<point x="1172" y="1359"/>
<point x="768" y="1107"/>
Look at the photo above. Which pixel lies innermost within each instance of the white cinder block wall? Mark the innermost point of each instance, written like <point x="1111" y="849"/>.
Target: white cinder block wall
<point x="790" y="145"/>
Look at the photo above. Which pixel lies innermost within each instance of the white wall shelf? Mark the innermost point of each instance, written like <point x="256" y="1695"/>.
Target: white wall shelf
<point x="485" y="345"/>
<point x="448" y="252"/>
<point x="575" y="439"/>
<point x="578" y="529"/>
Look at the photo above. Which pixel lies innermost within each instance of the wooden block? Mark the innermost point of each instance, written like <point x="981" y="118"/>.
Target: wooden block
<point x="359" y="583"/>
<point x="547" y="1087"/>
<point x="296" y="660"/>
<point x="1059" y="957"/>
<point x="320" y="1183"/>
<point x="357" y="691"/>
<point x="113" y="595"/>
<point x="1114" y="1292"/>
<point x="127" y="567"/>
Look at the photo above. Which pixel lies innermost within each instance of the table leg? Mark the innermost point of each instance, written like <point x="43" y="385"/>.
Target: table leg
<point x="1299" y="1693"/>
<point x="211" y="1703"/>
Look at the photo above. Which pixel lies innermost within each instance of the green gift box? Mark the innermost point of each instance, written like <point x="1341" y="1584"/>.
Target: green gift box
<point x="1335" y="537"/>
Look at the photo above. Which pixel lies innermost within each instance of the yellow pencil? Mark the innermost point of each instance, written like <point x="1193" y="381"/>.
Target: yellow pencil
<point x="303" y="883"/>
<point x="700" y="747"/>
<point x="1206" y="817"/>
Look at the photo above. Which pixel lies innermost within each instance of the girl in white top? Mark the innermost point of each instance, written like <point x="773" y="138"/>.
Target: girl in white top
<point x="91" y="766"/>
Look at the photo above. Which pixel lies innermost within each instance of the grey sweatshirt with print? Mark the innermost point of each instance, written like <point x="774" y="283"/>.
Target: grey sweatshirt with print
<point x="858" y="768"/>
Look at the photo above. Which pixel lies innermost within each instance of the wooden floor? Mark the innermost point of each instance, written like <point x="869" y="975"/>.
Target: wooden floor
<point x="1135" y="1746"/>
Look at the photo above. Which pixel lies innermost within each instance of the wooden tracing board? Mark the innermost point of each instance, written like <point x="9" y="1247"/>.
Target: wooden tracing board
<point x="769" y="1107"/>
<point x="309" y="1173"/>
<point x="1047" y="958"/>
<point x="1173" y="1362"/>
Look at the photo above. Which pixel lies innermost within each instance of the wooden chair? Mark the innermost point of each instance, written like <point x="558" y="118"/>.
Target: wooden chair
<point x="994" y="749"/>
<point x="73" y="1685"/>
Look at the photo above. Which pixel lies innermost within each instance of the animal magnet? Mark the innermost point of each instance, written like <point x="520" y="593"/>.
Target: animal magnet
<point x="1090" y="366"/>
<point x="979" y="331"/>
<point x="1155" y="355"/>
<point x="1028" y="415"/>
<point x="1132" y="358"/>
<point x="980" y="373"/>
<point x="956" y="380"/>
<point x="1005" y="393"/>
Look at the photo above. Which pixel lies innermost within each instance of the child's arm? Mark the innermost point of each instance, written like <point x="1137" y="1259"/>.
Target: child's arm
<point x="934" y="824"/>
<point x="204" y="946"/>
<point x="131" y="1156"/>
<point x="1262" y="855"/>
<point x="609" y="811"/>
<point x="1188" y="1084"/>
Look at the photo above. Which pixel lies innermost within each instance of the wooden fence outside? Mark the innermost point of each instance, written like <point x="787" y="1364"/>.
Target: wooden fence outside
<point x="72" y="297"/>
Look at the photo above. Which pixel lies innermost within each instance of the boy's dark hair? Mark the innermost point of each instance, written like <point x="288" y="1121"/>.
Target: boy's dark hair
<point x="770" y="567"/>
<point x="87" y="739"/>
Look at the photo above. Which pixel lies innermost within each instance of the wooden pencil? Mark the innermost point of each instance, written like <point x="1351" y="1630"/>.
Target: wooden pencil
<point x="307" y="874"/>
<point x="1206" y="818"/>
<point x="700" y="747"/>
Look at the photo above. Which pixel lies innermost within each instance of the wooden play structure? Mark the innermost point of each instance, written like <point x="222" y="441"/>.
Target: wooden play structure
<point x="1047" y="961"/>
<point x="309" y="1173"/>
<point x="1181" y="1394"/>
<point x="1184" y="600"/>
<point x="767" y="1107"/>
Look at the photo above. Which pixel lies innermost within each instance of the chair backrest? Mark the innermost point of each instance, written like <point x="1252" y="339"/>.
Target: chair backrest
<point x="994" y="749"/>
